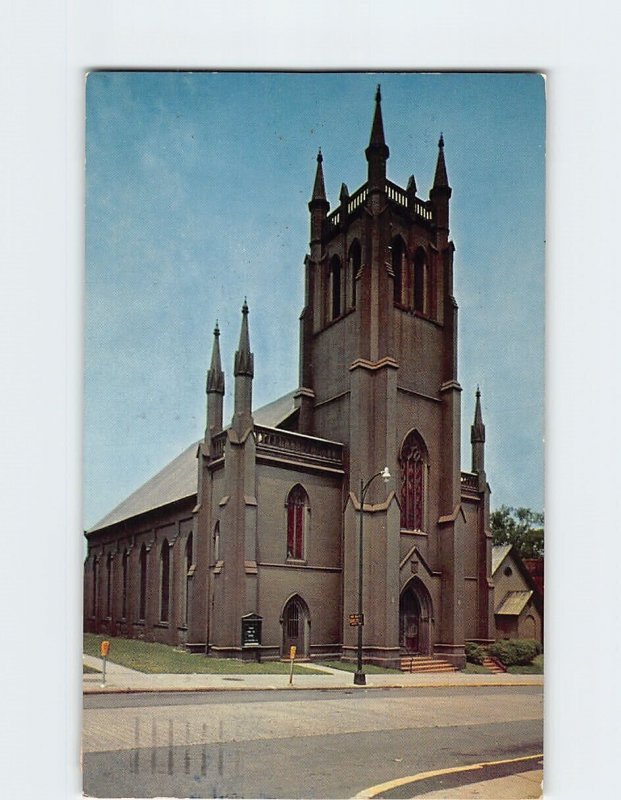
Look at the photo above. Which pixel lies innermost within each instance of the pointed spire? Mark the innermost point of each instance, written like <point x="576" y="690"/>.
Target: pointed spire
<point x="318" y="205"/>
<point x="477" y="436"/>
<point x="377" y="129"/>
<point x="344" y="194"/>
<point x="244" y="359"/>
<point x="319" y="189"/>
<point x="477" y="430"/>
<point x="377" y="143"/>
<point x="215" y="391"/>
<point x="411" y="187"/>
<point x="440" y="180"/>
<point x="215" y="375"/>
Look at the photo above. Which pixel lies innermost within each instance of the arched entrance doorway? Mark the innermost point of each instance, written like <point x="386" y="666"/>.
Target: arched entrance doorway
<point x="295" y="627"/>
<point x="414" y="619"/>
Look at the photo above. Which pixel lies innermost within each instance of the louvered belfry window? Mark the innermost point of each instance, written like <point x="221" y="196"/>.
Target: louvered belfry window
<point x="296" y="508"/>
<point x="413" y="463"/>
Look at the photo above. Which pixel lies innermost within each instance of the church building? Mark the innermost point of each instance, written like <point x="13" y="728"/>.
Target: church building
<point x="248" y="542"/>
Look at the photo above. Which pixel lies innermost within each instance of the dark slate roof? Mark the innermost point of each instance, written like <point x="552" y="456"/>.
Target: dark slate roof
<point x="275" y="413"/>
<point x="178" y="479"/>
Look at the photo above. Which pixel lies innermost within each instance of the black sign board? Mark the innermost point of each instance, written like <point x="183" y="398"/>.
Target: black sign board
<point x="356" y="619"/>
<point x="251" y="630"/>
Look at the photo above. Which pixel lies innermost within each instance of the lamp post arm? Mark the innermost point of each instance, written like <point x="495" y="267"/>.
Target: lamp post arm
<point x="363" y="489"/>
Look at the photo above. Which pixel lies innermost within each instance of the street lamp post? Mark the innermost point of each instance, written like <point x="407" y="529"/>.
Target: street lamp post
<point x="359" y="676"/>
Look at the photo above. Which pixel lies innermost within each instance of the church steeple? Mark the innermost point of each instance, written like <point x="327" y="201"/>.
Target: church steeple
<point x="319" y="188"/>
<point x="477" y="437"/>
<point x="440" y="180"/>
<point x="440" y="193"/>
<point x="377" y="152"/>
<point x="244" y="359"/>
<point x="215" y="375"/>
<point x="215" y="389"/>
<point x="244" y="372"/>
<point x="318" y="205"/>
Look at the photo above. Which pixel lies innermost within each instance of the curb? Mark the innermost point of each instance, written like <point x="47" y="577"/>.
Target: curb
<point x="353" y="687"/>
<point x="399" y="783"/>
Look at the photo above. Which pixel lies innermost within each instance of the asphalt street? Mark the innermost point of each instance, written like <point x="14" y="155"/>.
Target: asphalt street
<point x="309" y="744"/>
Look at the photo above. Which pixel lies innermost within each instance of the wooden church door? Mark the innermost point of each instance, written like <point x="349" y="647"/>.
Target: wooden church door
<point x="409" y="622"/>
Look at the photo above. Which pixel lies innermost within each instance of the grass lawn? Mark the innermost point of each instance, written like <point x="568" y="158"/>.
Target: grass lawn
<point x="348" y="666"/>
<point x="87" y="670"/>
<point x="161" y="658"/>
<point x="535" y="668"/>
<point x="475" y="669"/>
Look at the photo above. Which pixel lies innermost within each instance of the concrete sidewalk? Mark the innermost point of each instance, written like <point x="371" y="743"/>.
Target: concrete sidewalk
<point x="122" y="679"/>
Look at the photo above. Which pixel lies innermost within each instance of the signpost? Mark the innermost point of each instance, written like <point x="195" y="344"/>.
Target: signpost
<point x="104" y="647"/>
<point x="251" y="636"/>
<point x="292" y="652"/>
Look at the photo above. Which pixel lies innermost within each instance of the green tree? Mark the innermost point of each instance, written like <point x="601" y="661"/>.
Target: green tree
<point x="521" y="527"/>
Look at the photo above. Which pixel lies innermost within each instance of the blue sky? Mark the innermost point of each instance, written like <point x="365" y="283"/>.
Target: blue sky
<point x="197" y="188"/>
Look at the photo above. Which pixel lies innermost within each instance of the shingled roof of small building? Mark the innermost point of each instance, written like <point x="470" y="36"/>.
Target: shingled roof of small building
<point x="177" y="481"/>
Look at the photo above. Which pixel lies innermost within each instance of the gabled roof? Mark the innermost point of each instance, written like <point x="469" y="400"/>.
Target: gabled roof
<point x="499" y="553"/>
<point x="178" y="479"/>
<point x="275" y="413"/>
<point x="513" y="603"/>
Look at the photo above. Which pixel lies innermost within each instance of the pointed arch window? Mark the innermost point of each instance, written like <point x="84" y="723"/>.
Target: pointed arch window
<point x="188" y="575"/>
<point x="297" y="510"/>
<point x="335" y="287"/>
<point x="355" y="262"/>
<point x="165" y="581"/>
<point x="413" y="465"/>
<point x="125" y="579"/>
<point x="397" y="252"/>
<point x="95" y="587"/>
<point x="216" y="542"/>
<point x="142" y="605"/>
<point x="109" y="585"/>
<point x="420" y="281"/>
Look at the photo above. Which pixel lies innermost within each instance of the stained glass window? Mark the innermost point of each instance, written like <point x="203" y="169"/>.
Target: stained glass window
<point x="412" y="464"/>
<point x="297" y="503"/>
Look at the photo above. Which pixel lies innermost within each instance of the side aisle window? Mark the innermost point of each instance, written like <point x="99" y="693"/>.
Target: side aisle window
<point x="297" y="508"/>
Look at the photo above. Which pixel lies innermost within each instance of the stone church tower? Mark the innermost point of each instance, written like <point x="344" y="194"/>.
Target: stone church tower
<point x="379" y="373"/>
<point x="261" y="551"/>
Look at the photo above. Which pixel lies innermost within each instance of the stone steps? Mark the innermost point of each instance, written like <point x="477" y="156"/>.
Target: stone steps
<point x="425" y="664"/>
<point x="493" y="665"/>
